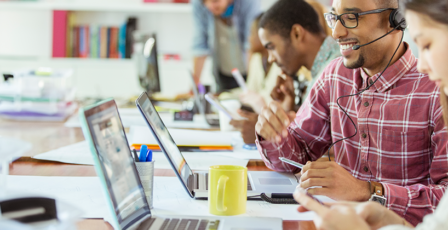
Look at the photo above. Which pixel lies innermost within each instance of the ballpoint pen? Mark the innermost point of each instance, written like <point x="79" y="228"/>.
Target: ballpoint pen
<point x="143" y="152"/>
<point x="135" y="155"/>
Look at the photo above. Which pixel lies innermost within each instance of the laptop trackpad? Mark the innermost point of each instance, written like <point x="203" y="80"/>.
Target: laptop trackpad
<point x="274" y="181"/>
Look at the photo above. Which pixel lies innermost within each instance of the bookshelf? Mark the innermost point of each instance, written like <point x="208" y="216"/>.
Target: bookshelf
<point x="28" y="44"/>
<point x="99" y="6"/>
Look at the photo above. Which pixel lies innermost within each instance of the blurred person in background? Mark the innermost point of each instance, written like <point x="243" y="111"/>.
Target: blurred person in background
<point x="221" y="30"/>
<point x="320" y="49"/>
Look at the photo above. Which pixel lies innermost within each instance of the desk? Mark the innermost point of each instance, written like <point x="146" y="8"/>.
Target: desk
<point x="47" y="136"/>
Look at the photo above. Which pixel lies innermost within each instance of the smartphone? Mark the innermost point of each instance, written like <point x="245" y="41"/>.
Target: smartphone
<point x="293" y="163"/>
<point x="215" y="102"/>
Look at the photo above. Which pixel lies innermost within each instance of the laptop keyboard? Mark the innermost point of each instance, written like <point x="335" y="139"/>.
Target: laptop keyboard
<point x="187" y="224"/>
<point x="198" y="180"/>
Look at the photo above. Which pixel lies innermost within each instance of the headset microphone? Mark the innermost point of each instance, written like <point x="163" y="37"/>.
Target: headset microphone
<point x="356" y="47"/>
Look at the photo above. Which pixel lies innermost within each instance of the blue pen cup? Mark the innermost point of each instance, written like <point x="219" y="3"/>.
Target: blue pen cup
<point x="146" y="173"/>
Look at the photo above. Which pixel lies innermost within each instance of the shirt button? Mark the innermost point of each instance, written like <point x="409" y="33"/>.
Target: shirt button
<point x="363" y="135"/>
<point x="371" y="82"/>
<point x="366" y="104"/>
<point x="366" y="169"/>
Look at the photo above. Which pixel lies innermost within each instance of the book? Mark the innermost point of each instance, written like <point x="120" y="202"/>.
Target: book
<point x="70" y="25"/>
<point x="94" y="36"/>
<point x="103" y="42"/>
<point x="59" y="33"/>
<point x="122" y="41"/>
<point x="75" y="52"/>
<point x="108" y="29"/>
<point x="113" y="44"/>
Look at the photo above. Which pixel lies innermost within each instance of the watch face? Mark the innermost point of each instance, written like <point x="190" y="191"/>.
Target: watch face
<point x="379" y="199"/>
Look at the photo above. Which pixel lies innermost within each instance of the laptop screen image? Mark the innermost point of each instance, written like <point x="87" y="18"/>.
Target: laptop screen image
<point x="114" y="156"/>
<point x="167" y="143"/>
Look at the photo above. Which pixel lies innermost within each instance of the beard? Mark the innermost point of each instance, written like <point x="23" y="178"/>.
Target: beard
<point x="356" y="64"/>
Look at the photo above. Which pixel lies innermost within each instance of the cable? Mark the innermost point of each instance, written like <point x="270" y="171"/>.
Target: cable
<point x="362" y="91"/>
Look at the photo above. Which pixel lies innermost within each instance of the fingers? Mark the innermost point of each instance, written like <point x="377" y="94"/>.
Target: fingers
<point x="310" y="204"/>
<point x="248" y="115"/>
<point x="315" y="165"/>
<point x="274" y="121"/>
<point x="237" y="124"/>
<point x="266" y="130"/>
<point x="319" y="191"/>
<point x="291" y="115"/>
<point x="280" y="113"/>
<point x="313" y="182"/>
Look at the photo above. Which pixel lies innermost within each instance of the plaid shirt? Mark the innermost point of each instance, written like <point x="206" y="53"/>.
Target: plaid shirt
<point x="401" y="140"/>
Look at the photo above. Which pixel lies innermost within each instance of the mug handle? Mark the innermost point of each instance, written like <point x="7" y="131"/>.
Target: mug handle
<point x="221" y="189"/>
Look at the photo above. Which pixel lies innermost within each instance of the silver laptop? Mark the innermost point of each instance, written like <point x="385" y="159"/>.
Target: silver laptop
<point x="273" y="184"/>
<point x="114" y="165"/>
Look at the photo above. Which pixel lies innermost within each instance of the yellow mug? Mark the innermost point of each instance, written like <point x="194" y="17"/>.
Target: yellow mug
<point x="227" y="190"/>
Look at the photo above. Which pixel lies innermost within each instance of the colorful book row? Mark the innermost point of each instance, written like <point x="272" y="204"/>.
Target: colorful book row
<point x="90" y="41"/>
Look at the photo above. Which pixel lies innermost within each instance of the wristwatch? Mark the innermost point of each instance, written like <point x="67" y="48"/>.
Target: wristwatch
<point x="377" y="191"/>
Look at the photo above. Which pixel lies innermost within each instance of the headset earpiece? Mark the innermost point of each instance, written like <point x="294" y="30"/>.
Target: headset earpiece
<point x="397" y="20"/>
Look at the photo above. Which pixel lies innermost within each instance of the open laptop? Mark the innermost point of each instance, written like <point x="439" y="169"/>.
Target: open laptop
<point x="273" y="184"/>
<point x="114" y="166"/>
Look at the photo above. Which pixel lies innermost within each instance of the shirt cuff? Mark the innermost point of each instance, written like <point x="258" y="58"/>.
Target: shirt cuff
<point x="200" y="52"/>
<point x="397" y="198"/>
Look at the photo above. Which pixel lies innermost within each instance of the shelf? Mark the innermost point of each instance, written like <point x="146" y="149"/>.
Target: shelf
<point x="100" y="6"/>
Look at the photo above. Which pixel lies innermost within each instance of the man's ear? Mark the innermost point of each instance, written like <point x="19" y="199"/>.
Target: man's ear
<point x="297" y="33"/>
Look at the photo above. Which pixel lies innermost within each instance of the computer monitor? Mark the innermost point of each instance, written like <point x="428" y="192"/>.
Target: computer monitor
<point x="149" y="69"/>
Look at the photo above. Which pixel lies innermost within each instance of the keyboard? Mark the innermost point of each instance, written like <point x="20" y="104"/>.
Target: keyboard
<point x="185" y="224"/>
<point x="201" y="178"/>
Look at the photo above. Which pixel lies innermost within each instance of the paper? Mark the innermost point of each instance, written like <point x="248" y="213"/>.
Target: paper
<point x="80" y="154"/>
<point x="82" y="192"/>
<point x="132" y="117"/>
<point x="170" y="198"/>
<point x="143" y="135"/>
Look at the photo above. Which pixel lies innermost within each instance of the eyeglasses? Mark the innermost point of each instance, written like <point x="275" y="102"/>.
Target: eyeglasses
<point x="349" y="20"/>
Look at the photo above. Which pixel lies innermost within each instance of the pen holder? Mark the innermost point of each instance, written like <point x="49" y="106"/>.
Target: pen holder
<point x="146" y="174"/>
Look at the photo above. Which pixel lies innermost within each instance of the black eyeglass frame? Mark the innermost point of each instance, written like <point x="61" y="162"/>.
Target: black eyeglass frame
<point x="339" y="17"/>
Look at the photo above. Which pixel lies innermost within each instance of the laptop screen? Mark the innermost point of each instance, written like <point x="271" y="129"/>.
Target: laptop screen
<point x="165" y="140"/>
<point x="116" y="163"/>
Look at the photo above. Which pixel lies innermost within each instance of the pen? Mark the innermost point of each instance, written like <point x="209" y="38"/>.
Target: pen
<point x="135" y="155"/>
<point x="149" y="157"/>
<point x="293" y="163"/>
<point x="143" y="152"/>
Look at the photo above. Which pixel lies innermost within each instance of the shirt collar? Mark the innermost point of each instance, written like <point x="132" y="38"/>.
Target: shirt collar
<point x="393" y="73"/>
<point x="326" y="51"/>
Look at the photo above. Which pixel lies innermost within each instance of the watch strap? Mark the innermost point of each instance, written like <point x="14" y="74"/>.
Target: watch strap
<point x="376" y="188"/>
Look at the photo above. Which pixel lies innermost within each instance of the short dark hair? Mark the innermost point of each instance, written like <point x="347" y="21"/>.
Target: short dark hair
<point x="387" y="3"/>
<point x="281" y="17"/>
<point x="437" y="10"/>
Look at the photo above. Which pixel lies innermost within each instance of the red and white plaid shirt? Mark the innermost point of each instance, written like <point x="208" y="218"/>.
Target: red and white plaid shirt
<point x="401" y="140"/>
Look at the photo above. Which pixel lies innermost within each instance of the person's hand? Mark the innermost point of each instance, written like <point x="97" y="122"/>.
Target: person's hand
<point x="335" y="181"/>
<point x="273" y="122"/>
<point x="246" y="127"/>
<point x="375" y="215"/>
<point x="253" y="99"/>
<point x="332" y="217"/>
<point x="283" y="92"/>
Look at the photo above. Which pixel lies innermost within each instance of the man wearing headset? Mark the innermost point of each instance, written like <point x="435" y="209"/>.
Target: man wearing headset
<point x="394" y="152"/>
<point x="221" y="30"/>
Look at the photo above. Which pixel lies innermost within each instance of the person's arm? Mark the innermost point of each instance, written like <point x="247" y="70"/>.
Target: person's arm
<point x="307" y="138"/>
<point x="415" y="201"/>
<point x="200" y="38"/>
<point x="249" y="11"/>
<point x="198" y="65"/>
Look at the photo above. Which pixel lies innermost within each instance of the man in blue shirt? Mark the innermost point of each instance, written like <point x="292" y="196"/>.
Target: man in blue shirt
<point x="221" y="30"/>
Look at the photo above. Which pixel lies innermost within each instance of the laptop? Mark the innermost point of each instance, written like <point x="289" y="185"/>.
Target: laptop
<point x="127" y="202"/>
<point x="273" y="184"/>
<point x="211" y="119"/>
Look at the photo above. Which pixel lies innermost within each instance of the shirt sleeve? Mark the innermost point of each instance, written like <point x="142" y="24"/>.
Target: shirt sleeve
<point x="415" y="201"/>
<point x="436" y="221"/>
<point x="309" y="135"/>
<point x="200" y="29"/>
